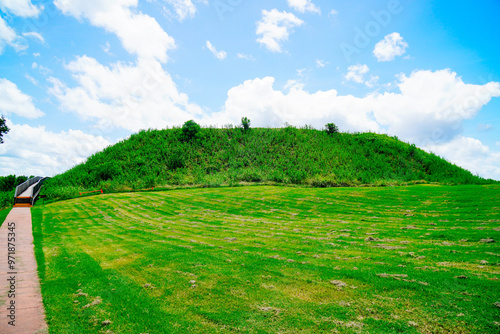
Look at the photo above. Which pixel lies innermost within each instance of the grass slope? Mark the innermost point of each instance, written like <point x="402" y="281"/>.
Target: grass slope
<point x="3" y="214"/>
<point x="263" y="259"/>
<point x="230" y="156"/>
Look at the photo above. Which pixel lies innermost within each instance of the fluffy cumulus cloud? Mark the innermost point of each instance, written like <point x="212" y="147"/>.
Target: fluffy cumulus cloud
<point x="13" y="101"/>
<point x="357" y="73"/>
<point x="182" y="8"/>
<point x="303" y="6"/>
<point x="221" y="55"/>
<point x="139" y="34"/>
<point x="22" y="8"/>
<point x="392" y="46"/>
<point x="266" y="106"/>
<point x="131" y="97"/>
<point x="430" y="107"/>
<point x="275" y="27"/>
<point x="470" y="154"/>
<point x="48" y="153"/>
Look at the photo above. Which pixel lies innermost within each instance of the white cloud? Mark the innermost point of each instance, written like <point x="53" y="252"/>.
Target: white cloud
<point x="470" y="154"/>
<point x="303" y="6"/>
<point x="265" y="106"/>
<point x="275" y="27"/>
<point x="244" y="56"/>
<point x="372" y="82"/>
<point x="294" y="84"/>
<point x="357" y="73"/>
<point x="321" y="63"/>
<point x="13" y="101"/>
<point x="140" y="34"/>
<point x="36" y="151"/>
<point x="106" y="48"/>
<point x="31" y="79"/>
<point x="390" y="47"/>
<point x="44" y="70"/>
<point x="131" y="97"/>
<point x="182" y="8"/>
<point x="221" y="55"/>
<point x="22" y="8"/>
<point x="430" y="107"/>
<point x="7" y="35"/>
<point x="35" y="35"/>
<point x="485" y="127"/>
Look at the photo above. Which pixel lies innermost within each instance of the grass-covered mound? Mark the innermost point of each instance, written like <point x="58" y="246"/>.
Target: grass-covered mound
<point x="214" y="157"/>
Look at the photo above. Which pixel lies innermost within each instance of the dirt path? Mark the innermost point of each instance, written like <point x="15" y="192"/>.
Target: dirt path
<point x="28" y="315"/>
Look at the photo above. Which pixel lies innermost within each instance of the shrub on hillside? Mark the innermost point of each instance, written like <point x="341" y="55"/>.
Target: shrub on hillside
<point x="320" y="181"/>
<point x="331" y="128"/>
<point x="190" y="130"/>
<point x="6" y="199"/>
<point x="245" y="122"/>
<point x="175" y="158"/>
<point x="107" y="171"/>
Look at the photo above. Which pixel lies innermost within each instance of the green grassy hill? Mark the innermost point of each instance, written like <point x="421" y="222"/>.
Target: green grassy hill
<point x="229" y="156"/>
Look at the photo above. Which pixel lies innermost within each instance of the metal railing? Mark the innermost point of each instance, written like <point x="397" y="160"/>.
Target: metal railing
<point x="35" y="190"/>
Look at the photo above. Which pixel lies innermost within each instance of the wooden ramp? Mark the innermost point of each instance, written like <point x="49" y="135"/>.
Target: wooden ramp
<point x="20" y="298"/>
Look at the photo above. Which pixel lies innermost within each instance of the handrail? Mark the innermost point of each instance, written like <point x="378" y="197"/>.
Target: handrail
<point x="25" y="185"/>
<point x="36" y="189"/>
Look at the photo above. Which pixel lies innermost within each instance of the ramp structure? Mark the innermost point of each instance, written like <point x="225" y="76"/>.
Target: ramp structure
<point x="27" y="192"/>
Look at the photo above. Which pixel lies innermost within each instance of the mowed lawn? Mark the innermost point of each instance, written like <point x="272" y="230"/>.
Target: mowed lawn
<point x="258" y="259"/>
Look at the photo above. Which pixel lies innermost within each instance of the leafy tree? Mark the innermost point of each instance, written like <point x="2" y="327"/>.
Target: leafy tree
<point x="245" y="122"/>
<point x="190" y="130"/>
<point x="3" y="128"/>
<point x="7" y="183"/>
<point x="331" y="128"/>
<point x="21" y="179"/>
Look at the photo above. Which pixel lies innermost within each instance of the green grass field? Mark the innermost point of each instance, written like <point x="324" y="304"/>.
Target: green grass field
<point x="273" y="260"/>
<point x="3" y="215"/>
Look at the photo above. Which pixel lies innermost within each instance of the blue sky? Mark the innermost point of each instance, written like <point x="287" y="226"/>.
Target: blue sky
<point x="78" y="75"/>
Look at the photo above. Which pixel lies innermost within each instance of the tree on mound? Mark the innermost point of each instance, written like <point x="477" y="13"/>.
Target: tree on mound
<point x="245" y="122"/>
<point x="331" y="128"/>
<point x="3" y="128"/>
<point x="190" y="130"/>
